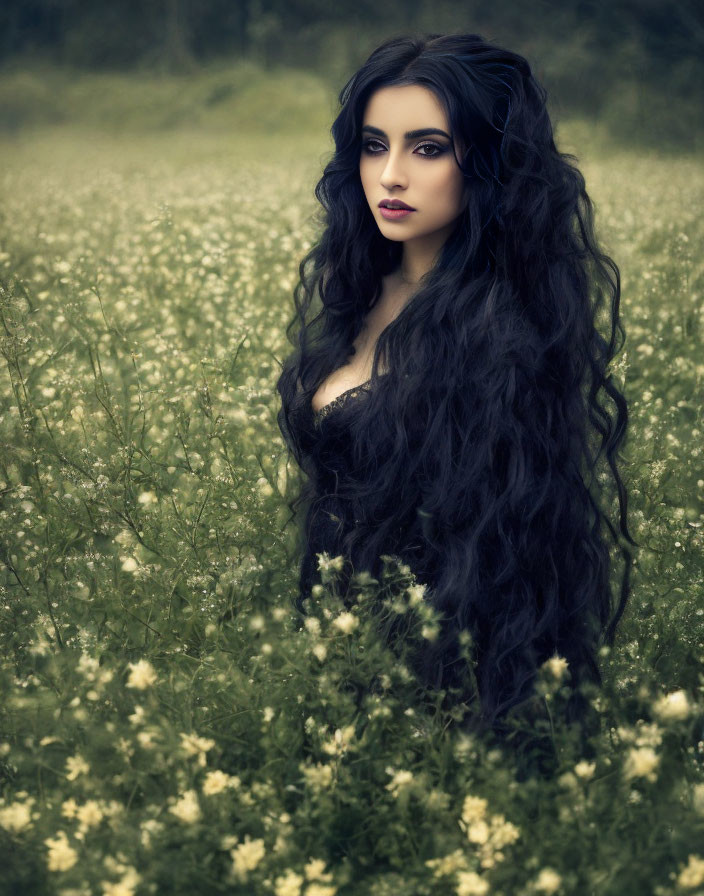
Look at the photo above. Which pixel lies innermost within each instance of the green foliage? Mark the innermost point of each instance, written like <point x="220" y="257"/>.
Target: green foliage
<point x="168" y="723"/>
<point x="639" y="68"/>
<point x="221" y="98"/>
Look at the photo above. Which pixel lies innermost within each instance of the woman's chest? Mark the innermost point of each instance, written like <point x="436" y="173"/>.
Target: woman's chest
<point x="357" y="371"/>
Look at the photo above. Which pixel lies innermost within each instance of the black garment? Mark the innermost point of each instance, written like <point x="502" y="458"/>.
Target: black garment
<point x="330" y="515"/>
<point x="338" y="475"/>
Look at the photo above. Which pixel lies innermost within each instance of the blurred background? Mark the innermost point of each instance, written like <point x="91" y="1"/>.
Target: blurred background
<point x="634" y="67"/>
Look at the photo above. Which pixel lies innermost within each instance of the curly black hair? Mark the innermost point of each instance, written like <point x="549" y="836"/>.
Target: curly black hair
<point x="485" y="449"/>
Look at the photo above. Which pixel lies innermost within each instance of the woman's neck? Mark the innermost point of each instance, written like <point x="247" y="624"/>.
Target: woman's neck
<point x="419" y="256"/>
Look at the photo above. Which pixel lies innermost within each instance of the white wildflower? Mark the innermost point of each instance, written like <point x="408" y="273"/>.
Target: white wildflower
<point x="473" y="808"/>
<point x="75" y="766"/>
<point x="142" y="675"/>
<point x="187" y="808"/>
<point x="557" y="666"/>
<point x="288" y="884"/>
<point x="346" y="623"/>
<point x="62" y="855"/>
<point x="247" y="855"/>
<point x="672" y="707"/>
<point x="314" y="869"/>
<point x="401" y="780"/>
<point x="584" y="769"/>
<point x="192" y="745"/>
<point x="469" y="883"/>
<point x="16" y="817"/>
<point x="692" y="875"/>
<point x="478" y="832"/>
<point x="90" y="814"/>
<point x="641" y="762"/>
<point x="320" y="651"/>
<point x="312" y="625"/>
<point x="548" y="881"/>
<point x="216" y="781"/>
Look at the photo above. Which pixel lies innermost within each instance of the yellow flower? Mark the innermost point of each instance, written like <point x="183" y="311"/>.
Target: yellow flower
<point x="150" y="828"/>
<point x="317" y="776"/>
<point x="548" y="881"/>
<point x="288" y="884"/>
<point x="327" y="564"/>
<point x="137" y="716"/>
<point x="247" y="855"/>
<point x="320" y="651"/>
<point x="316" y="889"/>
<point x="641" y="762"/>
<point x="454" y="861"/>
<point x="88" y="665"/>
<point x="340" y="741"/>
<point x="672" y="707"/>
<point x="469" y="883"/>
<point x="16" y="817"/>
<point x="187" y="808"/>
<point x="124" y="887"/>
<point x="692" y="875"/>
<point x="478" y="832"/>
<point x="121" y="888"/>
<point x="648" y="735"/>
<point x="76" y="766"/>
<point x="557" y="667"/>
<point x="315" y="870"/>
<point x="503" y="832"/>
<point x="473" y="808"/>
<point x="193" y="745"/>
<point x="90" y="813"/>
<point x="216" y="781"/>
<point x="142" y="675"/>
<point x="61" y="856"/>
<point x="584" y="769"/>
<point x="146" y="738"/>
<point x="346" y="623"/>
<point x="416" y="593"/>
<point x="401" y="780"/>
<point x="69" y="808"/>
<point x="312" y="625"/>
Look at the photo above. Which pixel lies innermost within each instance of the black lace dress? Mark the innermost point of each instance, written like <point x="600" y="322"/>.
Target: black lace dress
<point x="337" y="476"/>
<point x="330" y="514"/>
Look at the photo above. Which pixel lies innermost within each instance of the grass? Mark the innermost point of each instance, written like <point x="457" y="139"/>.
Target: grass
<point x="164" y="727"/>
<point x="222" y="97"/>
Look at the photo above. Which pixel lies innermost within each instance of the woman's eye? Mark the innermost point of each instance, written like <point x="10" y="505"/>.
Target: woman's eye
<point x="427" y="150"/>
<point x="436" y="150"/>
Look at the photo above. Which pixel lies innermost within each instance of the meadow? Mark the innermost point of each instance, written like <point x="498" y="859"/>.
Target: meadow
<point x="165" y="726"/>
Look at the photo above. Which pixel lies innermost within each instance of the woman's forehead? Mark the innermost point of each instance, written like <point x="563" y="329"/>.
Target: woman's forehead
<point x="406" y="107"/>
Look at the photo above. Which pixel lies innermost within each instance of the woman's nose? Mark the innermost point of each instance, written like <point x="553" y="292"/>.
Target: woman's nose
<point x="394" y="174"/>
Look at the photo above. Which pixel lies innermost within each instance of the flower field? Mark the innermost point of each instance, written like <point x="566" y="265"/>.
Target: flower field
<point x="165" y="725"/>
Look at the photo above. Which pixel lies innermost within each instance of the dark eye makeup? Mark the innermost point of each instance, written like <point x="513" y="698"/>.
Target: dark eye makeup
<point x="439" y="149"/>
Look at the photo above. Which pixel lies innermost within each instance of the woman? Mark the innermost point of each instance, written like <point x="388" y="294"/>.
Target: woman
<point x="450" y="400"/>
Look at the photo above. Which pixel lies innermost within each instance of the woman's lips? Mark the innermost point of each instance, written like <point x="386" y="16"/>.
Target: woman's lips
<point x="393" y="214"/>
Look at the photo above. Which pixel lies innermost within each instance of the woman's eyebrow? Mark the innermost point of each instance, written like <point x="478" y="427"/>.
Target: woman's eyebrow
<point x="409" y="135"/>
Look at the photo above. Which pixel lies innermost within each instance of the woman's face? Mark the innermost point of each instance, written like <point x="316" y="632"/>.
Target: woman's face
<point x="418" y="169"/>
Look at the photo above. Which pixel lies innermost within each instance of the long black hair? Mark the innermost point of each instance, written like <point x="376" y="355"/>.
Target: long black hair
<point x="483" y="450"/>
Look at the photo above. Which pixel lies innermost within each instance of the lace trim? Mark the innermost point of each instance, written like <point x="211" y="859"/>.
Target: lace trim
<point x="337" y="402"/>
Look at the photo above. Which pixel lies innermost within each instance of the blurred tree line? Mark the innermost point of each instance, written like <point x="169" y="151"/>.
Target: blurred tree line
<point x="582" y="50"/>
